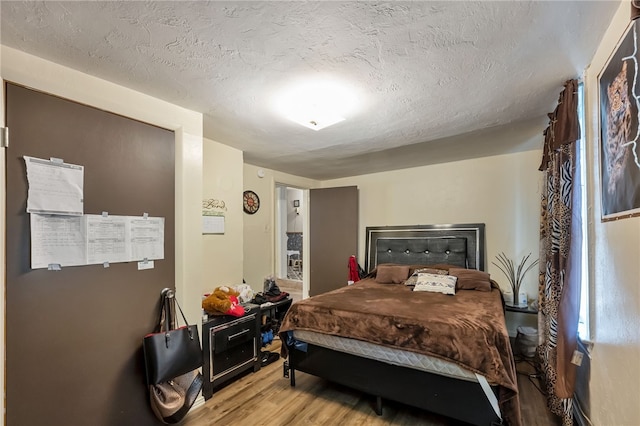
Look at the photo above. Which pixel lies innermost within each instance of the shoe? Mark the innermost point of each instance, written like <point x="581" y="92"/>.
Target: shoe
<point x="269" y="357"/>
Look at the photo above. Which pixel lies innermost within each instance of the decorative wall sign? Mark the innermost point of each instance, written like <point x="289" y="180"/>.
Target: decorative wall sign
<point x="213" y="204"/>
<point x="619" y="88"/>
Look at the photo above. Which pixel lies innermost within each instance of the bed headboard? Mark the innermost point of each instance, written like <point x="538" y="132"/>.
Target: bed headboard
<point x="461" y="245"/>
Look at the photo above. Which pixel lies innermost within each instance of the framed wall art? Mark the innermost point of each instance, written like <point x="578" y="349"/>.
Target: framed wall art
<point x="619" y="151"/>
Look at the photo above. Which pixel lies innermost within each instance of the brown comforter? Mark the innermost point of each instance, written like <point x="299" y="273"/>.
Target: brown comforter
<point x="468" y="328"/>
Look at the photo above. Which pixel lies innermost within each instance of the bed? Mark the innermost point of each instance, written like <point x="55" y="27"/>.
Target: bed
<point x="448" y="354"/>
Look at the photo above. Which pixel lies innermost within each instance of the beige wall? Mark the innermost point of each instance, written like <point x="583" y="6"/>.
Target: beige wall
<point x="259" y="233"/>
<point x="615" y="268"/>
<point x="222" y="181"/>
<point x="39" y="74"/>
<point x="502" y="192"/>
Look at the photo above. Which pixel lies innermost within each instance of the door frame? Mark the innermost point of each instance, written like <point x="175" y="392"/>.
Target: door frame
<point x="3" y="237"/>
<point x="280" y="209"/>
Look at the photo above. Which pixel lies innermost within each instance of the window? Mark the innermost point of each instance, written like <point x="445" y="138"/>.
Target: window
<point x="583" y="322"/>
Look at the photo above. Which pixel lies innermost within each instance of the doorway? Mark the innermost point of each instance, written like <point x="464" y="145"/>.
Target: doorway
<point x="289" y="239"/>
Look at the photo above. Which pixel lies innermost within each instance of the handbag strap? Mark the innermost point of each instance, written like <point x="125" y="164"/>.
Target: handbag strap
<point x="167" y="317"/>
<point x="168" y="313"/>
<point x="161" y="316"/>
<point x="181" y="313"/>
<point x="191" y="332"/>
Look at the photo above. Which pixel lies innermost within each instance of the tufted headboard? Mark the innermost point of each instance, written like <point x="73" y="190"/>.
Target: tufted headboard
<point x="461" y="245"/>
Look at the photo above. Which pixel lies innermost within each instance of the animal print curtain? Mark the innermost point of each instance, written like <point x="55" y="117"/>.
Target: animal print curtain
<point x="560" y="254"/>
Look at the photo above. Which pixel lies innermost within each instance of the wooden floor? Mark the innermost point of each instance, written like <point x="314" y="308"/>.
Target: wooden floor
<point x="293" y="287"/>
<point x="265" y="398"/>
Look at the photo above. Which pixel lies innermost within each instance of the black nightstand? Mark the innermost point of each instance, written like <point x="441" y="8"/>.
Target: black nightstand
<point x="230" y="346"/>
<point x="516" y="316"/>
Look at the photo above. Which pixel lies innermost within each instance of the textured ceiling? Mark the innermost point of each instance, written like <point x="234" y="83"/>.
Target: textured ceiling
<point x="436" y="81"/>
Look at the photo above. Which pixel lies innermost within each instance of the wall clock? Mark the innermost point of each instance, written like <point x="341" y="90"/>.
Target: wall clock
<point x="250" y="202"/>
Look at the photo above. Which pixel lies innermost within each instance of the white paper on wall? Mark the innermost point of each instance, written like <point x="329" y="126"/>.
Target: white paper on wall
<point x="106" y="239"/>
<point x="212" y="224"/>
<point x="55" y="187"/>
<point x="94" y="239"/>
<point x="57" y="240"/>
<point x="146" y="238"/>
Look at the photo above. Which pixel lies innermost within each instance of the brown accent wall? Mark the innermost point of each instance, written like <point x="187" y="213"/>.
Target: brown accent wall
<point x="73" y="338"/>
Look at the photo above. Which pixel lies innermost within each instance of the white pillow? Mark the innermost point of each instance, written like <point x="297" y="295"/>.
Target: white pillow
<point x="436" y="283"/>
<point x="413" y="279"/>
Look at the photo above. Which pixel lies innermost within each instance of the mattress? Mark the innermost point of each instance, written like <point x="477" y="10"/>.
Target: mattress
<point x="389" y="355"/>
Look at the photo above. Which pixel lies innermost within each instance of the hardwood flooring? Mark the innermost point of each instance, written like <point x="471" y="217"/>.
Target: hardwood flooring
<point x="293" y="287"/>
<point x="265" y="398"/>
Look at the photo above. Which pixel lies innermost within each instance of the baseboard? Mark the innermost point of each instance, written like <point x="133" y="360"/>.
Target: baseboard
<point x="199" y="402"/>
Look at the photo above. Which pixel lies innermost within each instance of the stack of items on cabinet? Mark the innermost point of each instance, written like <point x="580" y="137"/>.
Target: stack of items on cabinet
<point x="270" y="295"/>
<point x="226" y="300"/>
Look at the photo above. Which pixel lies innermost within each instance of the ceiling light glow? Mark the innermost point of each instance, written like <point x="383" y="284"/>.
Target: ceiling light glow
<point x="316" y="104"/>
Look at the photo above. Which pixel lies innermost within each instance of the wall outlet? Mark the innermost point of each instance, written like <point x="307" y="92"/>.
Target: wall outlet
<point x="577" y="358"/>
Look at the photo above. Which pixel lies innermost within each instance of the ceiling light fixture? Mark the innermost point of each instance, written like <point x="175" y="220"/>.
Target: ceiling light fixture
<point x="316" y="104"/>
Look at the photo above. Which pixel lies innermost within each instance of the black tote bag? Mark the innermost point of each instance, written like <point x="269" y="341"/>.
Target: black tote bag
<point x="171" y="352"/>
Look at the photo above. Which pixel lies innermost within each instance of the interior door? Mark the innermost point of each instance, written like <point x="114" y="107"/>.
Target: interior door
<point x="333" y="236"/>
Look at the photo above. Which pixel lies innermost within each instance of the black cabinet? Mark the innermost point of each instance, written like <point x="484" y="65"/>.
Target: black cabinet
<point x="230" y="346"/>
<point x="273" y="313"/>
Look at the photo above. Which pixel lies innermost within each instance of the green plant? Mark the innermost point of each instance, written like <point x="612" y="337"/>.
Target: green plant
<point x="513" y="274"/>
